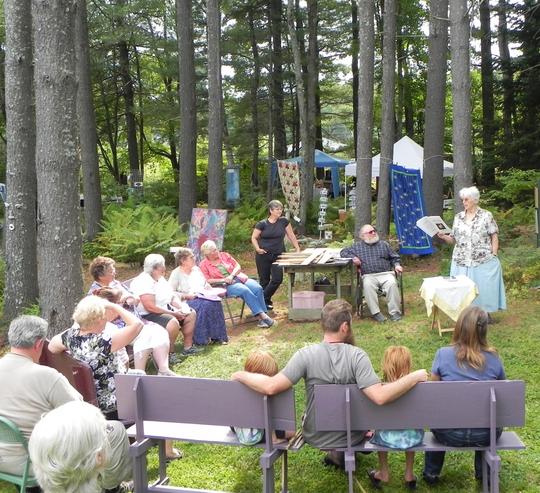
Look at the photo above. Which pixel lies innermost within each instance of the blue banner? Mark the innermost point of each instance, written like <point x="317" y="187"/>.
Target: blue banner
<point x="408" y="205"/>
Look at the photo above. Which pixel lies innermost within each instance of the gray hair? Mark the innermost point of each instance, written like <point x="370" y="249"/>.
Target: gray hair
<point x="182" y="255"/>
<point x="470" y="193"/>
<point x="152" y="261"/>
<point x="275" y="204"/>
<point x="25" y="330"/>
<point x="89" y="310"/>
<point x="69" y="448"/>
<point x="208" y="246"/>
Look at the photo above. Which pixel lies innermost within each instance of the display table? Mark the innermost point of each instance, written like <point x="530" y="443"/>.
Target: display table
<point x="336" y="267"/>
<point x="451" y="295"/>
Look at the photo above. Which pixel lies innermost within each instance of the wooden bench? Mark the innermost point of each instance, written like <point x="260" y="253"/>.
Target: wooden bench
<point x="470" y="404"/>
<point x="200" y="410"/>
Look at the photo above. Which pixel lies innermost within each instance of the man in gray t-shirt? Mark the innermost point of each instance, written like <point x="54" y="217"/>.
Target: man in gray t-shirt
<point x="335" y="360"/>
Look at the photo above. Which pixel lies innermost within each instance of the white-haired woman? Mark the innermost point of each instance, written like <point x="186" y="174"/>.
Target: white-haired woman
<point x="71" y="450"/>
<point x="88" y="341"/>
<point x="188" y="280"/>
<point x="476" y="237"/>
<point x="221" y="267"/>
<point x="161" y="305"/>
<point x="268" y="240"/>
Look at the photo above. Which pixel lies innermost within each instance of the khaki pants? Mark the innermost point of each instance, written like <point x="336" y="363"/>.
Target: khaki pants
<point x="386" y="281"/>
<point x="118" y="467"/>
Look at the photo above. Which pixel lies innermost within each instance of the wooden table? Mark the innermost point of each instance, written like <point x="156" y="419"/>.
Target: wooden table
<point x="451" y="295"/>
<point x="336" y="267"/>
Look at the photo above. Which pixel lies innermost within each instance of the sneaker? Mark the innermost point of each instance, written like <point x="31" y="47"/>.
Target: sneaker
<point x="395" y="317"/>
<point x="167" y="373"/>
<point x="266" y="323"/>
<point x="269" y="306"/>
<point x="174" y="359"/>
<point x="429" y="479"/>
<point x="379" y="317"/>
<point x="191" y="351"/>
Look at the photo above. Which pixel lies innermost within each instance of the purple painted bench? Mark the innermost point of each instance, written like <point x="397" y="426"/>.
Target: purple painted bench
<point x="199" y="410"/>
<point x="487" y="404"/>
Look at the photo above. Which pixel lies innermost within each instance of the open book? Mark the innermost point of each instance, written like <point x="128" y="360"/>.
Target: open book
<point x="431" y="225"/>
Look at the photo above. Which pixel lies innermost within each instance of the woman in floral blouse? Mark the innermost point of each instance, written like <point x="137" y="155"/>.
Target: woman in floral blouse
<point x="476" y="239"/>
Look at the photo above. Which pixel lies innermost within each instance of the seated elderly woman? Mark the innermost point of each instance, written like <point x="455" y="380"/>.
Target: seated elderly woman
<point x="188" y="280"/>
<point x="103" y="271"/>
<point x="88" y="341"/>
<point x="160" y="304"/>
<point x="220" y="267"/>
<point x="70" y="449"/>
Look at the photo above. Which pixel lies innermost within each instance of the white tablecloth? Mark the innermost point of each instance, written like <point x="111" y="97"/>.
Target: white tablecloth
<point x="451" y="295"/>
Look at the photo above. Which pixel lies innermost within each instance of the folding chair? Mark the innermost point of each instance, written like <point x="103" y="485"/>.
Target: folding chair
<point x="10" y="433"/>
<point x="360" y="293"/>
<point x="225" y="300"/>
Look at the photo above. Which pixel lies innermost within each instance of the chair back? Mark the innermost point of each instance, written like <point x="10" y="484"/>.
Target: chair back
<point x="10" y="433"/>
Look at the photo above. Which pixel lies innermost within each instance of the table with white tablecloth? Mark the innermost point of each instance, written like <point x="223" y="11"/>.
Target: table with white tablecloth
<point x="451" y="295"/>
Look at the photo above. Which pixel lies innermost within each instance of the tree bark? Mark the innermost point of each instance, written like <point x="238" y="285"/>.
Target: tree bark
<point x="488" y="106"/>
<point x="215" y="123"/>
<point x="435" y="107"/>
<point x="388" y="117"/>
<point x="87" y="128"/>
<point x="254" y="95"/>
<point x="187" y="176"/>
<point x="354" y="69"/>
<point x="20" y="210"/>
<point x="365" y="113"/>
<point x="461" y="97"/>
<point x="57" y="163"/>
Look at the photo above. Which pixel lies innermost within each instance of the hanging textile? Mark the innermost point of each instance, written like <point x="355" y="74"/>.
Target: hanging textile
<point x="206" y="224"/>
<point x="408" y="204"/>
<point x="289" y="176"/>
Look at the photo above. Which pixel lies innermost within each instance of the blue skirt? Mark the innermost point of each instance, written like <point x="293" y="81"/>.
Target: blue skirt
<point x="210" y="322"/>
<point x="489" y="280"/>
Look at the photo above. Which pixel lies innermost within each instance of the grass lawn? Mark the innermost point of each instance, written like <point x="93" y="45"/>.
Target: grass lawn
<point x="516" y="336"/>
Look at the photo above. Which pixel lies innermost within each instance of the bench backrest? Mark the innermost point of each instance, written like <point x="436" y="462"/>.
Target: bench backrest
<point x="202" y="401"/>
<point x="78" y="373"/>
<point x="427" y="405"/>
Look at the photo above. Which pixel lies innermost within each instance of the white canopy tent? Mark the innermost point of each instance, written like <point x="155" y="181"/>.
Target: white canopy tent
<point x="407" y="153"/>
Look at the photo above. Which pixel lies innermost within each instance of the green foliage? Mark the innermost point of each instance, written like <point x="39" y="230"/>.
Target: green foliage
<point x="514" y="187"/>
<point x="129" y="234"/>
<point x="521" y="268"/>
<point x="241" y="222"/>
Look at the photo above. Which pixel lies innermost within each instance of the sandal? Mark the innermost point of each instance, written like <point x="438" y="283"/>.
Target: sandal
<point x="375" y="482"/>
<point x="411" y="485"/>
<point x="176" y="454"/>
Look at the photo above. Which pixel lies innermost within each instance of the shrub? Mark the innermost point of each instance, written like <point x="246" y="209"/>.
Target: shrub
<point x="129" y="234"/>
<point x="514" y="187"/>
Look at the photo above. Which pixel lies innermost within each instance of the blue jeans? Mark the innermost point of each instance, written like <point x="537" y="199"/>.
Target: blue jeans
<point x="251" y="292"/>
<point x="463" y="437"/>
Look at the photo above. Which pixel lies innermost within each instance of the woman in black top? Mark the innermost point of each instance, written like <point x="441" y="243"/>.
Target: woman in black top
<point x="268" y="240"/>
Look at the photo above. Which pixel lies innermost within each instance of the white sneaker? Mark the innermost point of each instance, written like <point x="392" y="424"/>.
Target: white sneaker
<point x="266" y="323"/>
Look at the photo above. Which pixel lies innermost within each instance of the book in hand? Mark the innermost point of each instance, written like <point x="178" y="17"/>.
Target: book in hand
<point x="431" y="225"/>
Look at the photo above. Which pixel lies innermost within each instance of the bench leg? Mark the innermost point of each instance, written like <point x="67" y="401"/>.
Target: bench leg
<point x="494" y="463"/>
<point x="350" y="466"/>
<point x="162" y="461"/>
<point x="284" y="473"/>
<point x="140" y="475"/>
<point x="268" y="479"/>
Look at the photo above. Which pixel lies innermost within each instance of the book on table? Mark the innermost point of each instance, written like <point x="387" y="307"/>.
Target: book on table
<point x="431" y="225"/>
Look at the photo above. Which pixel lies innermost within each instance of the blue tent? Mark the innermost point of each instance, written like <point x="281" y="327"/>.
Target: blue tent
<point x="322" y="160"/>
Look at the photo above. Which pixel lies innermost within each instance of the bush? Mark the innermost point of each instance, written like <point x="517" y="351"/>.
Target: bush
<point x="514" y="187"/>
<point x="129" y="234"/>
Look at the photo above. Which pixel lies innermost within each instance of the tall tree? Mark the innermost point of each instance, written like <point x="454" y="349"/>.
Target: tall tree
<point x="461" y="97"/>
<point x="435" y="107"/>
<point x="215" y="113"/>
<point x="388" y="116"/>
<point x="354" y="70"/>
<point x="87" y="127"/>
<point x="20" y="233"/>
<point x="366" y="13"/>
<point x="507" y="76"/>
<point x="254" y="96"/>
<point x="57" y="163"/>
<point x="488" y="106"/>
<point x="187" y="179"/>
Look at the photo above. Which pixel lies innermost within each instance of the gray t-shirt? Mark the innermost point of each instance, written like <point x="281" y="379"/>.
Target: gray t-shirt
<point x="329" y="363"/>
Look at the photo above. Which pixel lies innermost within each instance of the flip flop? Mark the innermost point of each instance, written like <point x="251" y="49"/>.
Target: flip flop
<point x="375" y="482"/>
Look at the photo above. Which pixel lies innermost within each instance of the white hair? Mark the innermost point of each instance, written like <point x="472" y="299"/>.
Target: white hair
<point x="469" y="193"/>
<point x="89" y="310"/>
<point x="152" y="261"/>
<point x="69" y="447"/>
<point x="25" y="330"/>
<point x="208" y="246"/>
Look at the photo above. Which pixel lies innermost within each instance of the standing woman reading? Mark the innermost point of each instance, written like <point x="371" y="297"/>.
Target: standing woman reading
<point x="268" y="240"/>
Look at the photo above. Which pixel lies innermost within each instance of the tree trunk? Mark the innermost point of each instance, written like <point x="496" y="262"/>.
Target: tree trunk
<point x="435" y="107"/>
<point x="354" y="69"/>
<point x="278" y="120"/>
<point x="87" y="127"/>
<point x="461" y="97"/>
<point x="57" y="163"/>
<point x="488" y="107"/>
<point x="254" y="95"/>
<point x="215" y="124"/>
<point x="312" y="76"/>
<point x="20" y="210"/>
<point x="365" y="113"/>
<point x="187" y="177"/>
<point x="388" y="117"/>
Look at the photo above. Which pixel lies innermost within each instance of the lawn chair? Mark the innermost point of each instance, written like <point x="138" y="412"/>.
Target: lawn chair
<point x="10" y="433"/>
<point x="227" y="304"/>
<point x="360" y="295"/>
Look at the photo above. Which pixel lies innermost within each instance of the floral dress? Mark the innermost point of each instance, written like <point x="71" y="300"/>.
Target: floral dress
<point x="95" y="349"/>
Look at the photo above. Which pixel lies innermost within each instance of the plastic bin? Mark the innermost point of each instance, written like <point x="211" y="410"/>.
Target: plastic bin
<point x="308" y="299"/>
